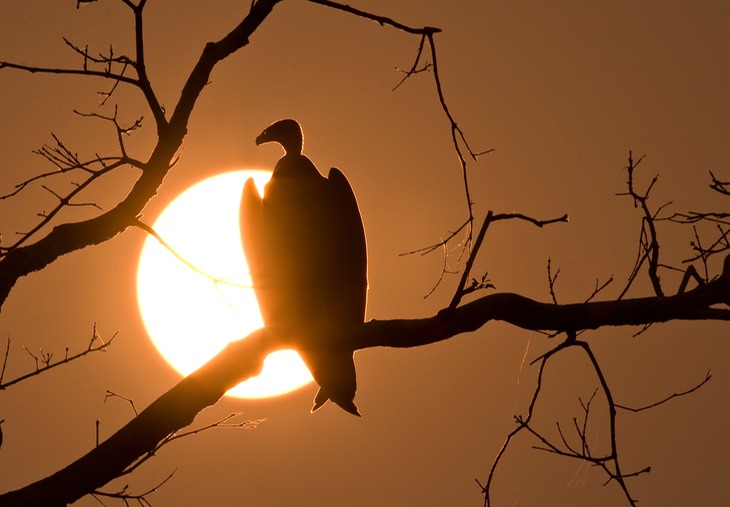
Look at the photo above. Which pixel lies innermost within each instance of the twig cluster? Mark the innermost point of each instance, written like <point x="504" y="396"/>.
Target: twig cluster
<point x="19" y="257"/>
<point x="464" y="152"/>
<point x="228" y="422"/>
<point x="719" y="223"/>
<point x="648" y="256"/>
<point x="467" y="286"/>
<point x="44" y="360"/>
<point x="608" y="462"/>
<point x="648" y="240"/>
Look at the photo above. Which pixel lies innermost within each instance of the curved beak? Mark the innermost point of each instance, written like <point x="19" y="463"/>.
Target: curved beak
<point x="262" y="138"/>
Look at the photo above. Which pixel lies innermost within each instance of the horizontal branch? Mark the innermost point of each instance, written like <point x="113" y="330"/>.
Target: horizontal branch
<point x="242" y="359"/>
<point x="381" y="20"/>
<point x="74" y="72"/>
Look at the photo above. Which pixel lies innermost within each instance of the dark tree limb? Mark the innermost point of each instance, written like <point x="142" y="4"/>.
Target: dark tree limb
<point x="170" y="412"/>
<point x="69" y="237"/>
<point x="178" y="407"/>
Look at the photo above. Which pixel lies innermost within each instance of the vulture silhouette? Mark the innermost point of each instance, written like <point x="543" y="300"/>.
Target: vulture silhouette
<point x="305" y="246"/>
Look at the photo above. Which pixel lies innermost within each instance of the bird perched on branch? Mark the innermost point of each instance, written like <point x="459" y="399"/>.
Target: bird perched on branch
<point x="305" y="247"/>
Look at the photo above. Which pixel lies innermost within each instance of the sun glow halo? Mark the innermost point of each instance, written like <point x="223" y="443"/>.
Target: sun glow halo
<point x="189" y="316"/>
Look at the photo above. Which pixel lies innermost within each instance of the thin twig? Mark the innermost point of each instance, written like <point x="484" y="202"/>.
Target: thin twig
<point x="44" y="362"/>
<point x="648" y="242"/>
<point x="216" y="280"/>
<point x="707" y="378"/>
<point x="112" y="394"/>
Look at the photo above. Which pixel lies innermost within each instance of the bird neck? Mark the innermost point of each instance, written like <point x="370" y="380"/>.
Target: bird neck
<point x="293" y="146"/>
<point x="297" y="165"/>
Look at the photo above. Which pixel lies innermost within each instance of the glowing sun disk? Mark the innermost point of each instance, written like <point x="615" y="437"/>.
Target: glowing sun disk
<point x="193" y="308"/>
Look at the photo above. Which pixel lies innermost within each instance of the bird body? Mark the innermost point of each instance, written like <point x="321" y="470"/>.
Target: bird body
<point x="305" y="245"/>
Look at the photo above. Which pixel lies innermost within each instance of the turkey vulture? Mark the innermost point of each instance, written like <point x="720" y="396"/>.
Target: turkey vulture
<point x="305" y="247"/>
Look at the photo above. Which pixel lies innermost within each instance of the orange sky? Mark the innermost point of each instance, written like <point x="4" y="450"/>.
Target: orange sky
<point x="561" y="93"/>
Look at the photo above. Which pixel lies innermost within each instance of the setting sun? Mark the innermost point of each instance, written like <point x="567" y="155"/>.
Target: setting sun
<point x="196" y="302"/>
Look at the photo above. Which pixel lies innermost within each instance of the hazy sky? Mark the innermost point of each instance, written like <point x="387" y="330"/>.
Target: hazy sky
<point x="562" y="92"/>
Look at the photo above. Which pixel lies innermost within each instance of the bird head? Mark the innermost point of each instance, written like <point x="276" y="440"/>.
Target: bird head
<point x="288" y="133"/>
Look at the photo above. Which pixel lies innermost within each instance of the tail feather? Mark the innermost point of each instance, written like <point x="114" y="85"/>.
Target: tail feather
<point x="347" y="405"/>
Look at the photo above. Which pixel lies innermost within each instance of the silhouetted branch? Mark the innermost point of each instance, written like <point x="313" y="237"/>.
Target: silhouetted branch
<point x="67" y="161"/>
<point x="156" y="424"/>
<point x="552" y="279"/>
<point x="123" y="495"/>
<point x="668" y="398"/>
<point x="20" y="260"/>
<point x="216" y="280"/>
<point x="720" y="222"/>
<point x="381" y="20"/>
<point x="468" y="285"/>
<point x="44" y="360"/>
<point x="161" y="422"/>
<point x="522" y="422"/>
<point x="441" y="244"/>
<point x="240" y="360"/>
<point x="223" y="423"/>
<point x="648" y="240"/>
<point x="611" y="464"/>
<point x="463" y="288"/>
<point x="73" y="72"/>
<point x="414" y="68"/>
<point x="608" y="462"/>
<point x="5" y="360"/>
<point x="458" y="138"/>
<point x="112" y="394"/>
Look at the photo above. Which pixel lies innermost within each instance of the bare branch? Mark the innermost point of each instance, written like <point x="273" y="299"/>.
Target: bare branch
<point x="244" y="358"/>
<point x="414" y="68"/>
<point x="609" y="463"/>
<point x="20" y="260"/>
<point x="441" y="244"/>
<point x="122" y="494"/>
<point x="44" y="360"/>
<point x="460" y="144"/>
<point x="551" y="281"/>
<point x="615" y="472"/>
<point x="111" y="394"/>
<point x="73" y="72"/>
<point x="381" y="20"/>
<point x="522" y="422"/>
<point x="5" y="360"/>
<point x="216" y="280"/>
<point x="668" y="398"/>
<point x="462" y="288"/>
<point x="648" y="242"/>
<point x="599" y="288"/>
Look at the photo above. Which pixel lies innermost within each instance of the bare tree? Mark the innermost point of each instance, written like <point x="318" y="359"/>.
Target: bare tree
<point x="702" y="295"/>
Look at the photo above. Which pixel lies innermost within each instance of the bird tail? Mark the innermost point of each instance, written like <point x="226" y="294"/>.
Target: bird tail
<point x="346" y="405"/>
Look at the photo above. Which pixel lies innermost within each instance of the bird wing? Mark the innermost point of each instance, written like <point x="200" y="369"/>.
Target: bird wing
<point x="343" y="277"/>
<point x="253" y="237"/>
<point x="351" y="268"/>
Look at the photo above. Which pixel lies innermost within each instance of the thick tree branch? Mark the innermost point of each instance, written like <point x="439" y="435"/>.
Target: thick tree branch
<point x="66" y="238"/>
<point x="178" y="407"/>
<point x="173" y="410"/>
